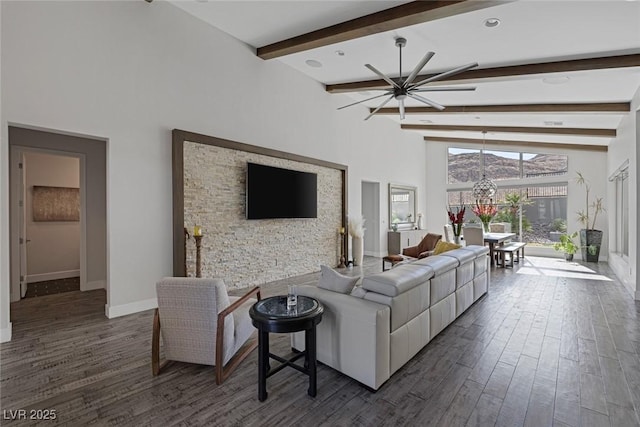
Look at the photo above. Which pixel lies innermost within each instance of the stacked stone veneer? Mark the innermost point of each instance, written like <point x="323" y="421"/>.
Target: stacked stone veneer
<point x="252" y="252"/>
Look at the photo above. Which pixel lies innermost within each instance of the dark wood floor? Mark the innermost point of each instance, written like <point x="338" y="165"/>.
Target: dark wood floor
<point x="553" y="343"/>
<point x="50" y="287"/>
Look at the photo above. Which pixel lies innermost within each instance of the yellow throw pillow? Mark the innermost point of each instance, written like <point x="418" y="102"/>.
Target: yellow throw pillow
<point x="443" y="246"/>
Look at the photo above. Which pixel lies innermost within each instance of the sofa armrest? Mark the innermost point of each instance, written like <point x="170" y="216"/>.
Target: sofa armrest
<point x="411" y="251"/>
<point x="353" y="336"/>
<point x="425" y="254"/>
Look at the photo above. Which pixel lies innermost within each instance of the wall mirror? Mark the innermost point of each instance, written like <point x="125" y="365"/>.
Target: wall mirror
<point x="402" y="206"/>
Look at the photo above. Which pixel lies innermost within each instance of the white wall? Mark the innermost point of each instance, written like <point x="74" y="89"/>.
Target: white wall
<point x="53" y="249"/>
<point x="131" y="72"/>
<point x="623" y="148"/>
<point x="581" y="161"/>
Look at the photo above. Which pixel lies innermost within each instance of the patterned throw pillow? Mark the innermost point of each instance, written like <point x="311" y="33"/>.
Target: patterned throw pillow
<point x="443" y="246"/>
<point x="333" y="281"/>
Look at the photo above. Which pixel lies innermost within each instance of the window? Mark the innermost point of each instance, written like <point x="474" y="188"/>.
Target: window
<point x="501" y="165"/>
<point x="463" y="165"/>
<point x="537" y="213"/>
<point x="536" y="165"/>
<point x="467" y="166"/>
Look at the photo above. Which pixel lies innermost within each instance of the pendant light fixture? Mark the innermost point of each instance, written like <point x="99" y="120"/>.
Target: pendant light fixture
<point x="484" y="189"/>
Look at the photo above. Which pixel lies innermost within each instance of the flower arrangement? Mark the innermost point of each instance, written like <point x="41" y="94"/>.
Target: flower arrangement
<point x="356" y="226"/>
<point x="485" y="212"/>
<point x="456" y="220"/>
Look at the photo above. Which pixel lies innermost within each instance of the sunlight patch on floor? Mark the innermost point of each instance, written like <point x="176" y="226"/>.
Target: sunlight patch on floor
<point x="555" y="267"/>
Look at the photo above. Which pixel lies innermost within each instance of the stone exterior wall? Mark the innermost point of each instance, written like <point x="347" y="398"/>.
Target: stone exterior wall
<point x="252" y="252"/>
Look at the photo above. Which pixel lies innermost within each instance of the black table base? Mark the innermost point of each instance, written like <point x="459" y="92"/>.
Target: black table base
<point x="268" y="316"/>
<point x="265" y="370"/>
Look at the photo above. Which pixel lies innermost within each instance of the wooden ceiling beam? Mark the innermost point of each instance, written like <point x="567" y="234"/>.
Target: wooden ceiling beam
<point x="598" y="107"/>
<point x="620" y="61"/>
<point x="412" y="13"/>
<point x="511" y="143"/>
<point x="515" y="129"/>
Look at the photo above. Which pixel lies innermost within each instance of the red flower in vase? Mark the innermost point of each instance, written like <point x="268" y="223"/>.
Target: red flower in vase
<point x="485" y="212"/>
<point x="456" y="219"/>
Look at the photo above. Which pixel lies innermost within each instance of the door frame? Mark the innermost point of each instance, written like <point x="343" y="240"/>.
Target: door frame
<point x="374" y="224"/>
<point x="17" y="213"/>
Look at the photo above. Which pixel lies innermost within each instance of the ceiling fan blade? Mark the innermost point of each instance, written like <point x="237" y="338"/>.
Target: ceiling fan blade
<point x="401" y="106"/>
<point x="379" y="107"/>
<point x="444" y="89"/>
<point x="418" y="68"/>
<point x="365" y="100"/>
<point x="382" y="76"/>
<point x="446" y="74"/>
<point x="426" y="101"/>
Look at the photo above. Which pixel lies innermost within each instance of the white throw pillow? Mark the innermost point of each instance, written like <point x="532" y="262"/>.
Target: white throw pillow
<point x="333" y="281"/>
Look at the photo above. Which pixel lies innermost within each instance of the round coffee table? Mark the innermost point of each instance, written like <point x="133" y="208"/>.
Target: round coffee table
<point x="271" y="315"/>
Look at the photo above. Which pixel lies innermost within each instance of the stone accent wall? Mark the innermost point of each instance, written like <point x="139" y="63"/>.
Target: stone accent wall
<point x="252" y="252"/>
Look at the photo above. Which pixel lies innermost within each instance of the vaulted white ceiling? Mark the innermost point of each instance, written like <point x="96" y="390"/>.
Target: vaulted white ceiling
<point x="530" y="32"/>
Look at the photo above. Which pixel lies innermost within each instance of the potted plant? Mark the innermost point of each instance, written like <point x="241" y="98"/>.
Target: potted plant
<point x="567" y="245"/>
<point x="558" y="228"/>
<point x="590" y="238"/>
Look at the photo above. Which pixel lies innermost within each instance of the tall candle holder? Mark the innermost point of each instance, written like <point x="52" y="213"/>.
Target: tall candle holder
<point x="342" y="258"/>
<point x="184" y="258"/>
<point x="198" y="255"/>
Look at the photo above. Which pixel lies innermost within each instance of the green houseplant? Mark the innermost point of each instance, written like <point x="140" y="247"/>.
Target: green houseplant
<point x="567" y="245"/>
<point x="590" y="238"/>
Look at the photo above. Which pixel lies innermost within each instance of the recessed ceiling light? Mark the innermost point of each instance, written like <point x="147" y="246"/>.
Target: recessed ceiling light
<point x="491" y="22"/>
<point x="313" y="63"/>
<point x="559" y="80"/>
<point x="339" y="52"/>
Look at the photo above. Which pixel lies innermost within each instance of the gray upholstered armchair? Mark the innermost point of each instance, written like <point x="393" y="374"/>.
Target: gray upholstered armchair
<point x="201" y="323"/>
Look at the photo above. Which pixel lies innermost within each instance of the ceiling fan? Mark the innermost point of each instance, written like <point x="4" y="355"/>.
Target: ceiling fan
<point x="402" y="89"/>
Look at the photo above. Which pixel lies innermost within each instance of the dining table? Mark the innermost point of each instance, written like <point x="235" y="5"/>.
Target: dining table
<point x="494" y="239"/>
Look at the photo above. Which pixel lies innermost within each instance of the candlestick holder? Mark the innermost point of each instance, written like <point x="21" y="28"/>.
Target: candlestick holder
<point x="198" y="255"/>
<point x="342" y="258"/>
<point x="184" y="258"/>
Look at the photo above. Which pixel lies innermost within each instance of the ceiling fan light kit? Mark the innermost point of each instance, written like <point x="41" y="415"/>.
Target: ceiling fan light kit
<point x="402" y="89"/>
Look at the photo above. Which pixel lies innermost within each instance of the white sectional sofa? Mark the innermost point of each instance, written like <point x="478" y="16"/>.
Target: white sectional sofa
<point x="372" y="332"/>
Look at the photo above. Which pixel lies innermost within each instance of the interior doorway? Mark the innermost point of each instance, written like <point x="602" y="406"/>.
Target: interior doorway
<point x="57" y="213"/>
<point x="371" y="213"/>
<point x="50" y="215"/>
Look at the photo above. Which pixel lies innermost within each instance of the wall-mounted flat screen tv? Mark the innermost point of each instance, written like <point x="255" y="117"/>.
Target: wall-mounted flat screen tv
<point x="280" y="193"/>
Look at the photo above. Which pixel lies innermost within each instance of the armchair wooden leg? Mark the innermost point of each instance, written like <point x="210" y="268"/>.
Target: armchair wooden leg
<point x="155" y="345"/>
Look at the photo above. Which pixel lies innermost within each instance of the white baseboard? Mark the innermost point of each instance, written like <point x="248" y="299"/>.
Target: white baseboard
<point x="130" y="308"/>
<point x="5" y="334"/>
<point x="94" y="284"/>
<point x="31" y="278"/>
<point x="375" y="254"/>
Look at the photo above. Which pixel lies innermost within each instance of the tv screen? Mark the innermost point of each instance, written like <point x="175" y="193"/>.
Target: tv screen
<point x="280" y="193"/>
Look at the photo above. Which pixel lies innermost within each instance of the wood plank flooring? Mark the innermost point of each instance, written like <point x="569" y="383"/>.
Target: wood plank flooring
<point x="552" y="344"/>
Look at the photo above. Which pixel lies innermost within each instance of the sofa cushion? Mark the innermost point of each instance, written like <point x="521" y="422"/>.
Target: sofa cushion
<point x="331" y="280"/>
<point x="463" y="256"/>
<point x="439" y="264"/>
<point x="398" y="280"/>
<point x="442" y="247"/>
<point x="476" y="249"/>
